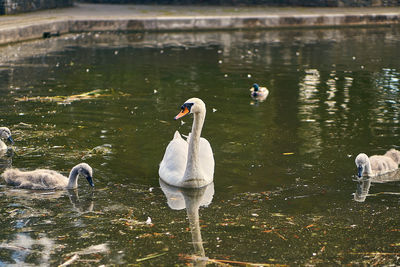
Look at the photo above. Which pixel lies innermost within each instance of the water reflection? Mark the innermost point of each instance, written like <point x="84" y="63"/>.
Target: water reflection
<point x="191" y="199"/>
<point x="24" y="248"/>
<point x="323" y="106"/>
<point x="24" y="197"/>
<point x="6" y="159"/>
<point x="79" y="206"/>
<point x="364" y="184"/>
<point x="29" y="209"/>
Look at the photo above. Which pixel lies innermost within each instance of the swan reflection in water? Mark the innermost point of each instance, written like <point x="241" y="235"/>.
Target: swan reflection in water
<point x="191" y="199"/>
<point x="6" y="159"/>
<point x="364" y="184"/>
<point x="26" y="197"/>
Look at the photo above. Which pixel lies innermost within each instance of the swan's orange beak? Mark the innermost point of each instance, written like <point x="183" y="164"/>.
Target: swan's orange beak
<point x="183" y="112"/>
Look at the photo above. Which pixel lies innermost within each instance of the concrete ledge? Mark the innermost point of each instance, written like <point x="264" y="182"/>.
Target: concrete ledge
<point x="21" y="28"/>
<point x="23" y="33"/>
<point x="230" y="22"/>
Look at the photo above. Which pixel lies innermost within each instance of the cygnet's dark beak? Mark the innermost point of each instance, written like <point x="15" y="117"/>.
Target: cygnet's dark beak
<point x="11" y="140"/>
<point x="90" y="180"/>
<point x="360" y="172"/>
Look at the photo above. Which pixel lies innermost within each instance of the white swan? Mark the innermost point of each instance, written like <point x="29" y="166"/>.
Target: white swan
<point x="377" y="164"/>
<point x="47" y="179"/>
<point x="5" y="133"/>
<point x="259" y="93"/>
<point x="189" y="163"/>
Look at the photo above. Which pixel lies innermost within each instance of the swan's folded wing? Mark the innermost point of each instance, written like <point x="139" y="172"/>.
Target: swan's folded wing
<point x="173" y="165"/>
<point x="394" y="155"/>
<point x="206" y="158"/>
<point x="382" y="164"/>
<point x="37" y="179"/>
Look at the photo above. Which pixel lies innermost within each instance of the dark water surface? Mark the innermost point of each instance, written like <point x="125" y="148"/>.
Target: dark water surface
<point x="284" y="186"/>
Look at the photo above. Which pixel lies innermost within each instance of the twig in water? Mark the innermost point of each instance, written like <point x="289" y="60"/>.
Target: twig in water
<point x="193" y="257"/>
<point x="70" y="261"/>
<point x="151" y="256"/>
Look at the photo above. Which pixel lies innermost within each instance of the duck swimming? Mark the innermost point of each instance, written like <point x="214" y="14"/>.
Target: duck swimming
<point x="189" y="163"/>
<point x="377" y="164"/>
<point x="259" y="93"/>
<point x="47" y="179"/>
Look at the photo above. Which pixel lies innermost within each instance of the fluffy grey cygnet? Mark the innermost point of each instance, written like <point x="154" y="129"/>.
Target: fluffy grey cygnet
<point x="5" y="133"/>
<point x="377" y="164"/>
<point x="47" y="179"/>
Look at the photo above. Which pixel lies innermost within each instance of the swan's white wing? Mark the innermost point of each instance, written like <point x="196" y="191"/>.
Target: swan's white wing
<point x="173" y="165"/>
<point x="382" y="164"/>
<point x="206" y="158"/>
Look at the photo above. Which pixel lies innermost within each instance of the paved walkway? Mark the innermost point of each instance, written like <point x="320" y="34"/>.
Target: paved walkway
<point x="99" y="17"/>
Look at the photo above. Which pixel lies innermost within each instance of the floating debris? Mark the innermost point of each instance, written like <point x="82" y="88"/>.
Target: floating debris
<point x="104" y="149"/>
<point x="151" y="256"/>
<point x="71" y="260"/>
<point x="69" y="99"/>
<point x="226" y="262"/>
<point x="24" y="125"/>
<point x="101" y="248"/>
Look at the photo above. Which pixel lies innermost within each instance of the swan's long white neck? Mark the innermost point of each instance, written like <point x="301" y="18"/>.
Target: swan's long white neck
<point x="193" y="171"/>
<point x="73" y="178"/>
<point x="368" y="169"/>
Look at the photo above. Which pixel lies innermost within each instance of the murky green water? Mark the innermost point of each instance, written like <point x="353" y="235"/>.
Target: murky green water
<point x="284" y="177"/>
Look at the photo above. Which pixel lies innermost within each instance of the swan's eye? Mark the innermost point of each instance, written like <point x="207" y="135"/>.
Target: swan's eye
<point x="187" y="105"/>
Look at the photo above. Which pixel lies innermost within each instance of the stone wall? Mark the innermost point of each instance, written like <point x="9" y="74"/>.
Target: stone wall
<point x="8" y="7"/>
<point x="308" y="3"/>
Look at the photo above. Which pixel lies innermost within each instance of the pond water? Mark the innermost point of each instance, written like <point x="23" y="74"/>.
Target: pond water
<point x="284" y="187"/>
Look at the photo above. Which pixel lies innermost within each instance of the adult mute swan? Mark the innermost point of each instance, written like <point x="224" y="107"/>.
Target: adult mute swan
<point x="377" y="164"/>
<point x="259" y="93"/>
<point x="5" y="133"/>
<point x="47" y="179"/>
<point x="189" y="163"/>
